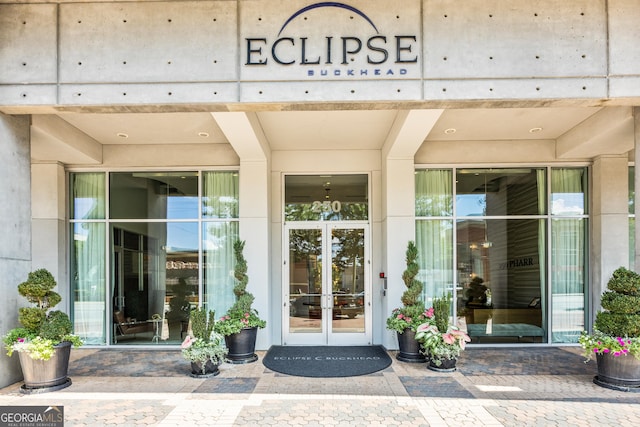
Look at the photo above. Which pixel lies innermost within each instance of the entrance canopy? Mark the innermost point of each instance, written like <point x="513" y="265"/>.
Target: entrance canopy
<point x="557" y="133"/>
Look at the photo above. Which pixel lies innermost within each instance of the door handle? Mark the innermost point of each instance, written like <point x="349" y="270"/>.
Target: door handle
<point x="327" y="301"/>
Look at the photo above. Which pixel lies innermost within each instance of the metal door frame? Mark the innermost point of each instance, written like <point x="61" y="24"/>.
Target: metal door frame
<point x="327" y="336"/>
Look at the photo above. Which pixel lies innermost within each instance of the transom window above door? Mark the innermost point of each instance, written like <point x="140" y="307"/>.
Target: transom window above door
<point x="326" y="197"/>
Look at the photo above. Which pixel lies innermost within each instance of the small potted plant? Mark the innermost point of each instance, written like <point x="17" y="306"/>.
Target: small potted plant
<point x="615" y="340"/>
<point x="205" y="349"/>
<point x="441" y="348"/>
<point x="240" y="324"/>
<point x="406" y="319"/>
<point x="45" y="339"/>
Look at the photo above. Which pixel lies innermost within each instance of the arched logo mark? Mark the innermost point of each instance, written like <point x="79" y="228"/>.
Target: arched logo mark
<point x="327" y="4"/>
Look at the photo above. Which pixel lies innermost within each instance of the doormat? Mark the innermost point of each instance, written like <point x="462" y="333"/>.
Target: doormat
<point x="326" y="362"/>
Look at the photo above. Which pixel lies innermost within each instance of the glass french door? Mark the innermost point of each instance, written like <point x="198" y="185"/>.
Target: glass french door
<point x="327" y="284"/>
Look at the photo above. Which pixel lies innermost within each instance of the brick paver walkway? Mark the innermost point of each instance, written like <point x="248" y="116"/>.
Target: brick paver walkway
<point x="544" y="386"/>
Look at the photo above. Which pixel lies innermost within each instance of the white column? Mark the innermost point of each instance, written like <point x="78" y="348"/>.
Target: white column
<point x="245" y="135"/>
<point x="254" y="230"/>
<point x="49" y="239"/>
<point x="398" y="227"/>
<point x="609" y="222"/>
<point x="398" y="200"/>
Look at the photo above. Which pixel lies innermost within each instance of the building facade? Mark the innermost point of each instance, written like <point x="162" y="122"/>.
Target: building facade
<point x="140" y="139"/>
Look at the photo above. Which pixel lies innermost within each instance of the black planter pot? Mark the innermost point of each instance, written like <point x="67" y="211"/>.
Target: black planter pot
<point x="242" y="346"/>
<point x="618" y="373"/>
<point x="41" y="376"/>
<point x="210" y="369"/>
<point x="409" y="348"/>
<point x="446" y="365"/>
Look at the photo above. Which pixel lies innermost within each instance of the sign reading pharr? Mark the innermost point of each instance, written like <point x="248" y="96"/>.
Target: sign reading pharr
<point x="331" y="40"/>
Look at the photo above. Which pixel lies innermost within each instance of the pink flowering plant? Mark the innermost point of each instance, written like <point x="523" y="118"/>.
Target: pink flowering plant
<point x="600" y="343"/>
<point x="408" y="318"/>
<point x="616" y="329"/>
<point x="236" y="320"/>
<point x="438" y="345"/>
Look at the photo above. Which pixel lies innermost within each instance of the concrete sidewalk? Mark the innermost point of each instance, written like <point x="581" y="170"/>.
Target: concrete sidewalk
<point x="541" y="386"/>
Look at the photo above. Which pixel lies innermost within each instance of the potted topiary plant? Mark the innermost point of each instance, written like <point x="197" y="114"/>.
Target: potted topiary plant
<point x="441" y="342"/>
<point x="406" y="319"/>
<point x="44" y="341"/>
<point x="615" y="340"/>
<point x="240" y="325"/>
<point x="205" y="349"/>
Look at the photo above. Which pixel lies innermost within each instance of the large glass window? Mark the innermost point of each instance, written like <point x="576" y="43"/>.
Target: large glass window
<point x="490" y="226"/>
<point x="632" y="217"/>
<point x="88" y="255"/>
<point x="219" y="204"/>
<point x="434" y="233"/>
<point x="169" y="235"/>
<point x="568" y="253"/>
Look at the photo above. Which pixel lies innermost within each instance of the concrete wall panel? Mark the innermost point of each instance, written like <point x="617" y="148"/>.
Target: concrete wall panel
<point x="162" y="93"/>
<point x="28" y="41"/>
<point x="27" y="94"/>
<point x="174" y="52"/>
<point x="523" y="38"/>
<point x="621" y="87"/>
<point x="624" y="33"/>
<point x="15" y="194"/>
<point x="15" y="223"/>
<point x="516" y="88"/>
<point x="320" y="91"/>
<point x="148" y="42"/>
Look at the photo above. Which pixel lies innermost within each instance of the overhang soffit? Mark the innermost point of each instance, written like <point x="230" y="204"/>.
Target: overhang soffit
<point x="609" y="131"/>
<point x="53" y="139"/>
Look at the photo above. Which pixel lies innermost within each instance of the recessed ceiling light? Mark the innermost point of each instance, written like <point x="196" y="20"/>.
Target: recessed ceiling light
<point x="450" y="131"/>
<point x="534" y="130"/>
<point x="203" y="134"/>
<point x="122" y="135"/>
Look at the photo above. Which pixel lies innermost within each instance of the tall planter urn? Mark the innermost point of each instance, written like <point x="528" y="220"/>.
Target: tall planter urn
<point x="615" y="340"/>
<point x="405" y="319"/>
<point x="618" y="372"/>
<point x="242" y="346"/>
<point x="240" y="325"/>
<point x="204" y="369"/>
<point x="409" y="348"/>
<point x="44" y="340"/>
<point x="446" y="365"/>
<point x="42" y="376"/>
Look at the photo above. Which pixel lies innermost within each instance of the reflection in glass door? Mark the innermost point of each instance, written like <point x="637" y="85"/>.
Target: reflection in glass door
<point x="327" y="285"/>
<point x="154" y="281"/>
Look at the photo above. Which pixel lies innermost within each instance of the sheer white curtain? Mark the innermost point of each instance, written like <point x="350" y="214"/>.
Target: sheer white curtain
<point x="220" y="204"/>
<point x="434" y="237"/>
<point x="542" y="232"/>
<point x="89" y="275"/>
<point x="567" y="254"/>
